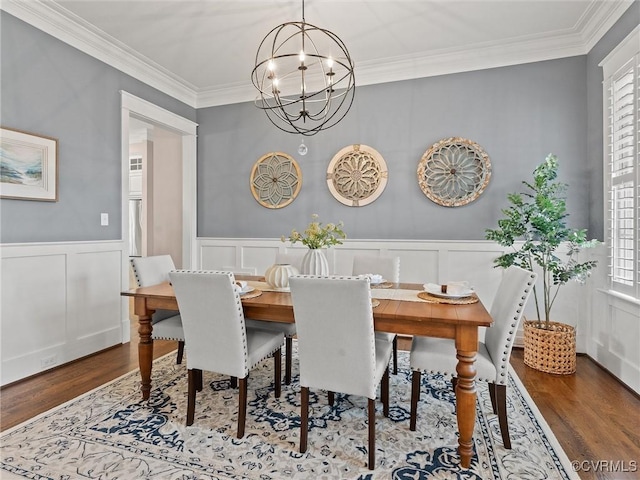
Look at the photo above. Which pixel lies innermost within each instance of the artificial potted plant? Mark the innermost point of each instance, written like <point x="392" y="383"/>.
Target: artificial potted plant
<point x="537" y="217"/>
<point x="317" y="237"/>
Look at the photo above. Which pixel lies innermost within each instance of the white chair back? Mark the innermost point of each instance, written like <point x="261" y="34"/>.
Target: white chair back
<point x="388" y="267"/>
<point x="293" y="259"/>
<point x="336" y="341"/>
<point x="213" y="321"/>
<point x="152" y="270"/>
<point x="506" y="311"/>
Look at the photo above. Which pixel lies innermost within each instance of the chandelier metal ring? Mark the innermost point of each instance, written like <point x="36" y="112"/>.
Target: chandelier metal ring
<point x="305" y="78"/>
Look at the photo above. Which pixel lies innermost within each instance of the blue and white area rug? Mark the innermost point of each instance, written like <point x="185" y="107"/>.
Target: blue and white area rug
<point x="110" y="433"/>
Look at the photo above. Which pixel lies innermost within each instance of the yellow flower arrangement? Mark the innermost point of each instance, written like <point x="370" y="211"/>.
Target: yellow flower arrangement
<point x="318" y="236"/>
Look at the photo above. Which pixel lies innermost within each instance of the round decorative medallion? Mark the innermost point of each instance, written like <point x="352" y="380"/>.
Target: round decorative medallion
<point x="454" y="171"/>
<point x="275" y="180"/>
<point x="357" y="175"/>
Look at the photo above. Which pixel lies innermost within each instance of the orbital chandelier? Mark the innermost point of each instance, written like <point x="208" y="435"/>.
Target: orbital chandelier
<point x="304" y="76"/>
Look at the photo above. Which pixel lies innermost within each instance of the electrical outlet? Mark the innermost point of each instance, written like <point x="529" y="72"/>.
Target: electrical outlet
<point x="49" y="361"/>
<point x="104" y="219"/>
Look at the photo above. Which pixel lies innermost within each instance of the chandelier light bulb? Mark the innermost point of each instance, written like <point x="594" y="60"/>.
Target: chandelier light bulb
<point x="329" y="63"/>
<point x="271" y="66"/>
<point x="301" y="56"/>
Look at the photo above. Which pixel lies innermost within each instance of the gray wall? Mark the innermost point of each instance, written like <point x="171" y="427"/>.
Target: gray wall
<point x="518" y="114"/>
<point x="595" y="145"/>
<point x="52" y="89"/>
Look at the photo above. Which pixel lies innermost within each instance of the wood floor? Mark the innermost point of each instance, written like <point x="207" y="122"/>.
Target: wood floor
<point x="595" y="418"/>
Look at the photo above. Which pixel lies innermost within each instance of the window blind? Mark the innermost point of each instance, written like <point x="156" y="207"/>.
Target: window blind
<point x="622" y="166"/>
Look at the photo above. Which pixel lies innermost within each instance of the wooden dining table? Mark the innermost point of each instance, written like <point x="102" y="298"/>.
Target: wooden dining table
<point x="458" y="322"/>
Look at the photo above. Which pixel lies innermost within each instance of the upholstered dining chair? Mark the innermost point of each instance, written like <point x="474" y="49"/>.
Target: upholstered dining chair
<point x="167" y="324"/>
<point x="437" y="355"/>
<point x="218" y="339"/>
<point x="389" y="268"/>
<point x="288" y="329"/>
<point x="352" y="361"/>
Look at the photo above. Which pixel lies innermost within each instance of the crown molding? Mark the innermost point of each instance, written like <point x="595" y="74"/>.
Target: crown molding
<point x="468" y="60"/>
<point x="589" y="29"/>
<point x="65" y="26"/>
<point x="481" y="57"/>
<point x="58" y="22"/>
<point x="226" y="95"/>
<point x="593" y="26"/>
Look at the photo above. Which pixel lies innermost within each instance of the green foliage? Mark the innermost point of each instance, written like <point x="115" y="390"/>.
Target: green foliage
<point x="318" y="236"/>
<point x="538" y="217"/>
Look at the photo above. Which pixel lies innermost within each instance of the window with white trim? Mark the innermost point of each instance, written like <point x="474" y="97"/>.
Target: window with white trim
<point x="622" y="163"/>
<point x="135" y="163"/>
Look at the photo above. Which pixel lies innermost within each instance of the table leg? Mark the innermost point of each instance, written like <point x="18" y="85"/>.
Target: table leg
<point x="145" y="346"/>
<point x="467" y="349"/>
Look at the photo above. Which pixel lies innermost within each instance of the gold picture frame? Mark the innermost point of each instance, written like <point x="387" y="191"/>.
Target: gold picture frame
<point x="28" y="166"/>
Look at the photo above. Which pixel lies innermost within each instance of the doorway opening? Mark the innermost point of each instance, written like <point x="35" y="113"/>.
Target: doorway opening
<point x="178" y="135"/>
<point x="155" y="191"/>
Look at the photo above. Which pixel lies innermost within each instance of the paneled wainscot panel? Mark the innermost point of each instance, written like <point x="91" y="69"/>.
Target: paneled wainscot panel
<point x="33" y="305"/>
<point x="60" y="302"/>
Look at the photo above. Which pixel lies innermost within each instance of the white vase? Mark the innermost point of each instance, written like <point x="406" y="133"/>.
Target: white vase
<point x="315" y="262"/>
<point x="277" y="275"/>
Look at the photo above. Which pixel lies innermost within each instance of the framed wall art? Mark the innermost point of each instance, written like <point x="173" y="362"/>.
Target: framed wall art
<point x="275" y="180"/>
<point x="357" y="175"/>
<point x="454" y="172"/>
<point x="28" y="166"/>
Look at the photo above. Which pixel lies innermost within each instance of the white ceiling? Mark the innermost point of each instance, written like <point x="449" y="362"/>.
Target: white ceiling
<point x="202" y="51"/>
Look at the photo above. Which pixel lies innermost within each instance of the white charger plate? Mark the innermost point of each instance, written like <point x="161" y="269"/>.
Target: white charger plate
<point x="436" y="292"/>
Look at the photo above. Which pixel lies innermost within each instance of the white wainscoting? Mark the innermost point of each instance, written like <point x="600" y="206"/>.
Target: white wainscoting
<point x="60" y="302"/>
<point x="421" y="261"/>
<point x="614" y="327"/>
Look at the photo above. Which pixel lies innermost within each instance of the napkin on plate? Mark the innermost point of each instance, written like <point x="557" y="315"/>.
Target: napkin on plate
<point x="240" y="286"/>
<point x="450" y="288"/>
<point x="373" y="278"/>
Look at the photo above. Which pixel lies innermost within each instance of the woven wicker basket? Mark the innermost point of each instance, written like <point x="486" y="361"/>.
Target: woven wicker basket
<point x="551" y="350"/>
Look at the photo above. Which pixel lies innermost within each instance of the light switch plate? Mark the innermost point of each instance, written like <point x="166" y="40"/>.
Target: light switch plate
<point x="104" y="219"/>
